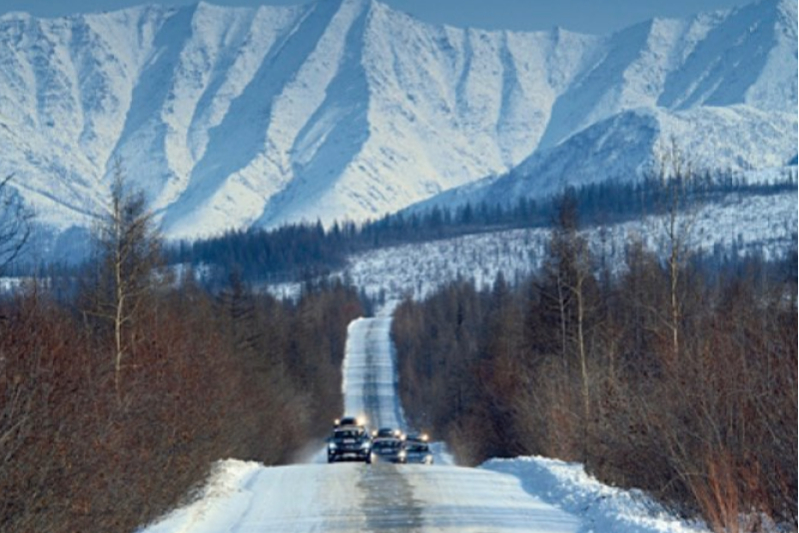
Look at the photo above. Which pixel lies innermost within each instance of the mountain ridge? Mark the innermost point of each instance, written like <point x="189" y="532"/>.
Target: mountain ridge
<point x="348" y="109"/>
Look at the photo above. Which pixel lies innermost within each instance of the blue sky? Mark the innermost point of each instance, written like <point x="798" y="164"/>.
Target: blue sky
<point x="588" y="16"/>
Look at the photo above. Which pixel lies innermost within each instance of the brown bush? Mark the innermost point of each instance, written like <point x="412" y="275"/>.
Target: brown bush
<point x="707" y="424"/>
<point x="79" y="452"/>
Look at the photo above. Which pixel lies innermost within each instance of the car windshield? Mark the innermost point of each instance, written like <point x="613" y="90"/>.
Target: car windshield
<point x="417" y="447"/>
<point x="387" y="444"/>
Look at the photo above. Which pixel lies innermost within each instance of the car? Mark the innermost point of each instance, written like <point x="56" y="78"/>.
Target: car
<point x="417" y="450"/>
<point x="349" y="421"/>
<point x="387" y="433"/>
<point x="349" y="443"/>
<point x="388" y="449"/>
<point x="416" y="437"/>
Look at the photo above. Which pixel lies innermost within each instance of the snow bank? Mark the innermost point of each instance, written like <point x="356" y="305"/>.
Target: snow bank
<point x="216" y="506"/>
<point x="602" y="508"/>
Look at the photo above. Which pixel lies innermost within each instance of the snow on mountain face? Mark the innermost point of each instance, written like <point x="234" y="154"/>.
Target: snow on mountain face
<point x="622" y="147"/>
<point x="231" y="117"/>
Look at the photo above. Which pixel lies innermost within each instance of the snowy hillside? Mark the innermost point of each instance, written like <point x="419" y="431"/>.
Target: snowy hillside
<point x="764" y="225"/>
<point x="346" y="109"/>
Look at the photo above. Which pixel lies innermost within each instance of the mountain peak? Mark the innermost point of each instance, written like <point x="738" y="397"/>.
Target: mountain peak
<point x="230" y="117"/>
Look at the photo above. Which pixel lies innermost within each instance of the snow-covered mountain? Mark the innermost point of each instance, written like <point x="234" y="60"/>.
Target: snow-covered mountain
<point x="739" y="138"/>
<point x="347" y="109"/>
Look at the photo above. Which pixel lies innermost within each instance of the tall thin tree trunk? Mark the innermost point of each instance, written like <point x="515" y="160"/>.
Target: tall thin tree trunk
<point x="119" y="295"/>
<point x="562" y="310"/>
<point x="581" y="351"/>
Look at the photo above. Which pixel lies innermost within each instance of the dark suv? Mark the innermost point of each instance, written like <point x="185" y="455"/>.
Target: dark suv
<point x="348" y="421"/>
<point x="383" y="433"/>
<point x="388" y="450"/>
<point x="349" y="443"/>
<point x="417" y="450"/>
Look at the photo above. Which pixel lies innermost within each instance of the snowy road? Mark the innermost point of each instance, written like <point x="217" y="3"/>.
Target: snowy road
<point x="245" y="497"/>
<point x="369" y="377"/>
<point x="525" y="494"/>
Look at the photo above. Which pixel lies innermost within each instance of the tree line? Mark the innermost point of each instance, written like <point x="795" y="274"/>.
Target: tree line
<point x="300" y="251"/>
<point x="671" y="376"/>
<point x="117" y="396"/>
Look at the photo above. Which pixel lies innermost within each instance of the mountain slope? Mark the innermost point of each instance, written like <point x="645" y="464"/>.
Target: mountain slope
<point x="232" y="117"/>
<point x="623" y="146"/>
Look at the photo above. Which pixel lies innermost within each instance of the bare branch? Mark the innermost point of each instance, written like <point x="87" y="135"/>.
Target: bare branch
<point x="15" y="224"/>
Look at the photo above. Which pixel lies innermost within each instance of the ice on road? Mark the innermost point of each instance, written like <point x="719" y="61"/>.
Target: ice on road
<point x="245" y="497"/>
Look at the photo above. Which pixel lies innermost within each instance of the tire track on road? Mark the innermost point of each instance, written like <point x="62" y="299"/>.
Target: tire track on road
<point x="389" y="504"/>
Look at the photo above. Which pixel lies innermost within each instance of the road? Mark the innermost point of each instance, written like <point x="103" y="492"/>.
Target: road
<point x="369" y="385"/>
<point x="249" y="498"/>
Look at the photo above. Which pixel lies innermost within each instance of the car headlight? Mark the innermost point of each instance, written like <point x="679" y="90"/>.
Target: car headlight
<point x="366" y="445"/>
<point x="331" y="445"/>
<point x="402" y="454"/>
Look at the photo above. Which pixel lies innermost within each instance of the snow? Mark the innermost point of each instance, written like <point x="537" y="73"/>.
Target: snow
<point x="347" y="109"/>
<point x="601" y="508"/>
<point x="734" y="139"/>
<point x="532" y="494"/>
<point x="528" y="493"/>
<point x="249" y="498"/>
<point x="9" y="285"/>
<point x="751" y="224"/>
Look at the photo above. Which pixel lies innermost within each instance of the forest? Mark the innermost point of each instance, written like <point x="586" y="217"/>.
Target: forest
<point x="118" y="395"/>
<point x="670" y="375"/>
<point x="297" y="252"/>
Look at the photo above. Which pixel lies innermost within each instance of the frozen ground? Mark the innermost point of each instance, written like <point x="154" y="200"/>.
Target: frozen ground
<point x="529" y="494"/>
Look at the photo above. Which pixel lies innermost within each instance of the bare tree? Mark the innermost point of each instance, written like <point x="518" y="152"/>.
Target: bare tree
<point x="569" y="268"/>
<point x="129" y="247"/>
<point x="15" y="224"/>
<point x="674" y="172"/>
